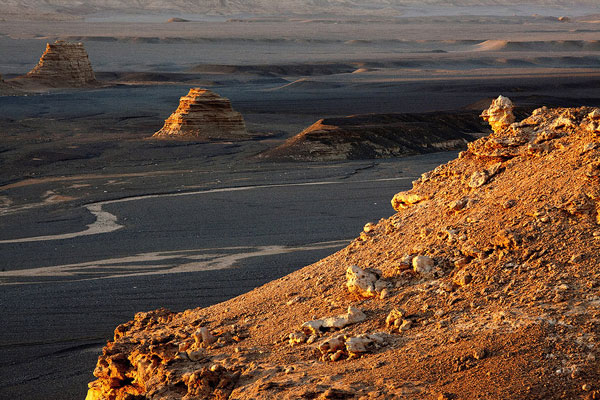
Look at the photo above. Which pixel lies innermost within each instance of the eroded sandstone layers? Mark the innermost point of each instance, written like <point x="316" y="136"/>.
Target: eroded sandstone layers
<point x="484" y="285"/>
<point x="379" y="136"/>
<point x="63" y="64"/>
<point x="204" y="115"/>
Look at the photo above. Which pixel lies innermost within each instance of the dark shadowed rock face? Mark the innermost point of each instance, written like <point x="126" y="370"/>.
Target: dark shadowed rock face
<point x="379" y="136"/>
<point x="204" y="115"/>
<point x="63" y="64"/>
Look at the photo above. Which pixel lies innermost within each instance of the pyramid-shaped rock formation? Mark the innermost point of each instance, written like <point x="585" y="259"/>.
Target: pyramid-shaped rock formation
<point x="63" y="64"/>
<point x="484" y="285"/>
<point x="204" y="115"/>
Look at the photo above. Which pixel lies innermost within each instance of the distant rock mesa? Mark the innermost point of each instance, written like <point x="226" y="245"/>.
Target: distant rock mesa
<point x="204" y="115"/>
<point x="63" y="64"/>
<point x="371" y="136"/>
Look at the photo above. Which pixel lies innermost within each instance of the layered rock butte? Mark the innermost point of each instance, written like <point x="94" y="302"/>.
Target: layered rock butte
<point x="379" y="136"/>
<point x="204" y="115"/>
<point x="63" y="64"/>
<point x="484" y="285"/>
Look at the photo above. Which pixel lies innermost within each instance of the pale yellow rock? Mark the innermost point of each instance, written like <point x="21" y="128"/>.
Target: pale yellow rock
<point x="500" y="114"/>
<point x="404" y="200"/>
<point x="361" y="282"/>
<point x="353" y="316"/>
<point x="296" y="338"/>
<point x="332" y="345"/>
<point x="393" y="316"/>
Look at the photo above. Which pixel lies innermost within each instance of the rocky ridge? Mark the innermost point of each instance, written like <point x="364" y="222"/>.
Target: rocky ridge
<point x="204" y="115"/>
<point x="63" y="64"/>
<point x="484" y="284"/>
<point x="379" y="136"/>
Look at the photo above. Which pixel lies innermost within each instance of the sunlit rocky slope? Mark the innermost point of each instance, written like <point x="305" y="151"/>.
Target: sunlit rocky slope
<point x="484" y="284"/>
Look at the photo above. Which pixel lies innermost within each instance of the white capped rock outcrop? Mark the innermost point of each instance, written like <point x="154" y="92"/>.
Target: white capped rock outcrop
<point x="500" y="114"/>
<point x="63" y="64"/>
<point x="204" y="115"/>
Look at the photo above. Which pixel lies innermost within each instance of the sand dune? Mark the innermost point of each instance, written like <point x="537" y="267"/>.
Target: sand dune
<point x="552" y="45"/>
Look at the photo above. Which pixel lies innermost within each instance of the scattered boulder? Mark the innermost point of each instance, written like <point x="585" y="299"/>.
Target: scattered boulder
<point x="203" y="336"/>
<point x="423" y="265"/>
<point x="342" y="347"/>
<point x="317" y="326"/>
<point x="397" y="321"/>
<point x="404" y="200"/>
<point x="204" y="115"/>
<point x="364" y="283"/>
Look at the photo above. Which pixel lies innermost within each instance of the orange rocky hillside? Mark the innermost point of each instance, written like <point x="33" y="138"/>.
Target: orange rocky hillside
<point x="484" y="285"/>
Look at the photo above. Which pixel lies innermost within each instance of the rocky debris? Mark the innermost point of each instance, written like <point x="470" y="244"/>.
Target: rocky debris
<point x="318" y="326"/>
<point x="480" y="178"/>
<point x="404" y="200"/>
<point x="423" y="265"/>
<point x="203" y="336"/>
<point x="204" y="115"/>
<point x="63" y="64"/>
<point x="379" y="136"/>
<point x="341" y="347"/>
<point x="398" y="321"/>
<point x="508" y="306"/>
<point x="500" y="114"/>
<point x="364" y="283"/>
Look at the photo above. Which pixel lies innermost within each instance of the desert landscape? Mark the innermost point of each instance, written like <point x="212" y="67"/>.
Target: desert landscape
<point x="195" y="200"/>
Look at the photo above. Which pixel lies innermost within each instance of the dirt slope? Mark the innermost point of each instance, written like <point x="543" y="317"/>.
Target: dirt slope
<point x="490" y="265"/>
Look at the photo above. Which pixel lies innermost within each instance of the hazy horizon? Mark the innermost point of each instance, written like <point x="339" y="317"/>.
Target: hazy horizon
<point x="237" y="8"/>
